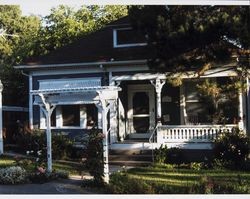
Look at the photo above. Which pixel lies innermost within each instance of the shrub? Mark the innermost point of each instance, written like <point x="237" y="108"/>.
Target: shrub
<point x="207" y="185"/>
<point x="62" y="147"/>
<point x="197" y="165"/>
<point x="94" y="156"/>
<point x="42" y="176"/>
<point x="35" y="143"/>
<point x="123" y="184"/>
<point x="161" y="154"/>
<point x="12" y="175"/>
<point x="232" y="148"/>
<point x="165" y="155"/>
<point x="174" y="156"/>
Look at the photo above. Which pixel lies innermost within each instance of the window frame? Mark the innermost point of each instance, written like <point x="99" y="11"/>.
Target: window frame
<point x="115" y="43"/>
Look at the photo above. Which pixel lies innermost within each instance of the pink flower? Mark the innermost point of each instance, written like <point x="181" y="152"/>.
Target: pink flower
<point x="41" y="170"/>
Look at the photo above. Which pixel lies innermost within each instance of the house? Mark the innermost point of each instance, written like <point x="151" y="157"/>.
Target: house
<point x="104" y="79"/>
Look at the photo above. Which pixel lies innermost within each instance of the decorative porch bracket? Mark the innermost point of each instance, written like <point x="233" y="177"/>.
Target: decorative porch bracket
<point x="158" y="84"/>
<point x="47" y="109"/>
<point x="105" y="105"/>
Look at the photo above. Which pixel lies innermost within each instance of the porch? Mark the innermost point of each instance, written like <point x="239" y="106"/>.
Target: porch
<point x="150" y="112"/>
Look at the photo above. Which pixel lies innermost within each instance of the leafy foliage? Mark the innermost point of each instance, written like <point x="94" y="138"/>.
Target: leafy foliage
<point x="94" y="156"/>
<point x="34" y="144"/>
<point x="185" y="38"/>
<point x="232" y="148"/>
<point x="12" y="175"/>
<point x="164" y="155"/>
<point x="123" y="184"/>
<point x="36" y="36"/>
<point x="13" y="49"/>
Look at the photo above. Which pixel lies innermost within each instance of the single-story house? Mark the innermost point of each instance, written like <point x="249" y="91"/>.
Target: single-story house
<point x="108" y="70"/>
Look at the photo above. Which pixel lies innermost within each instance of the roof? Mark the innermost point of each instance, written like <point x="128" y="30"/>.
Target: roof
<point x="96" y="47"/>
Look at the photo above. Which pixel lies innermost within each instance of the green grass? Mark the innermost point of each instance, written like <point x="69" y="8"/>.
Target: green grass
<point x="69" y="168"/>
<point x="6" y="162"/>
<point x="167" y="179"/>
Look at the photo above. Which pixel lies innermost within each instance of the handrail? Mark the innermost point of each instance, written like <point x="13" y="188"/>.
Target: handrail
<point x="152" y="134"/>
<point x="151" y="141"/>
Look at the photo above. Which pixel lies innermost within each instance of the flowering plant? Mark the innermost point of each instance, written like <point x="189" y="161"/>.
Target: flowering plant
<point x="12" y="175"/>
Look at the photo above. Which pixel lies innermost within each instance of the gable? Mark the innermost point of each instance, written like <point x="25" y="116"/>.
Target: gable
<point x="96" y="47"/>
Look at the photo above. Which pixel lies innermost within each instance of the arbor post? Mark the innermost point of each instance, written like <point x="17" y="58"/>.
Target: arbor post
<point x="47" y="110"/>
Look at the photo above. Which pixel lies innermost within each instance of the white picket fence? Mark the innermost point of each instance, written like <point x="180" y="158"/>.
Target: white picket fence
<point x="183" y="133"/>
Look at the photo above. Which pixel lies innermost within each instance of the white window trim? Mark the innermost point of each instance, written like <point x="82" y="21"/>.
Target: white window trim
<point x="116" y="45"/>
<point x="59" y="119"/>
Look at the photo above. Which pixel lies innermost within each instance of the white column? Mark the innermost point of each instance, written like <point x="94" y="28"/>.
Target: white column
<point x="183" y="113"/>
<point x="59" y="117"/>
<point x="48" y="109"/>
<point x="122" y="127"/>
<point x="30" y="103"/>
<point x="113" y="123"/>
<point x="1" y="119"/>
<point x="105" y="145"/>
<point x="102" y="106"/>
<point x="240" y="111"/>
<point x="99" y="117"/>
<point x="248" y="106"/>
<point x="158" y="84"/>
<point x="83" y="117"/>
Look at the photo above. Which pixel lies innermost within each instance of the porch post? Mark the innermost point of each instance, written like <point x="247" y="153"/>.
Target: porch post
<point x="1" y="119"/>
<point x="48" y="109"/>
<point x="113" y="122"/>
<point x="30" y="103"/>
<point x="248" y="105"/>
<point x="241" y="111"/>
<point x="158" y="84"/>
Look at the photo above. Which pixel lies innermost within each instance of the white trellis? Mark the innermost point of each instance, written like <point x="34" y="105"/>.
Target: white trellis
<point x="102" y="96"/>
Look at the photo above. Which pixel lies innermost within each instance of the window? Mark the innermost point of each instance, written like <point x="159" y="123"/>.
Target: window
<point x="201" y="109"/>
<point x="91" y="116"/>
<point x="198" y="111"/>
<point x="127" y="37"/>
<point x="71" y="115"/>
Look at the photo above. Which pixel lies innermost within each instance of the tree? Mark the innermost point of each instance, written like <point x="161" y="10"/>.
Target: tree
<point x="14" y="49"/>
<point x="65" y="24"/>
<point x="193" y="37"/>
<point x="38" y="36"/>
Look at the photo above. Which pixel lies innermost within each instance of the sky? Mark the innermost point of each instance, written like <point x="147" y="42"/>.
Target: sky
<point x="42" y="7"/>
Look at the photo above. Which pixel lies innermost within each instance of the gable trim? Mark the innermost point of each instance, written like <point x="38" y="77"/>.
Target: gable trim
<point x="84" y="64"/>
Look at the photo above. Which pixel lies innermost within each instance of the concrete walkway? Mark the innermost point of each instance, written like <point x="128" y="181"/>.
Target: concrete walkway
<point x="66" y="186"/>
<point x="63" y="186"/>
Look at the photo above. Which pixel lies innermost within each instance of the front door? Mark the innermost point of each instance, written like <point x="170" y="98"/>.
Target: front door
<point x="141" y="108"/>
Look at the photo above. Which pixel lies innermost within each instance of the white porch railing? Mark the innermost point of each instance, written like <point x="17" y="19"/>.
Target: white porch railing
<point x="184" y="133"/>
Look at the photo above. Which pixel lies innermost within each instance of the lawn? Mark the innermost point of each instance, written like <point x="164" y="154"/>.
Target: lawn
<point x="72" y="169"/>
<point x="169" y="179"/>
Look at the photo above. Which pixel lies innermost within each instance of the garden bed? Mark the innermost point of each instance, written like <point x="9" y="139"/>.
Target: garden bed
<point x="28" y="169"/>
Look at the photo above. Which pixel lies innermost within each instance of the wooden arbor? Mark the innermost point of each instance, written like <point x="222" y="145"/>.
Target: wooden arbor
<point x="104" y="97"/>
